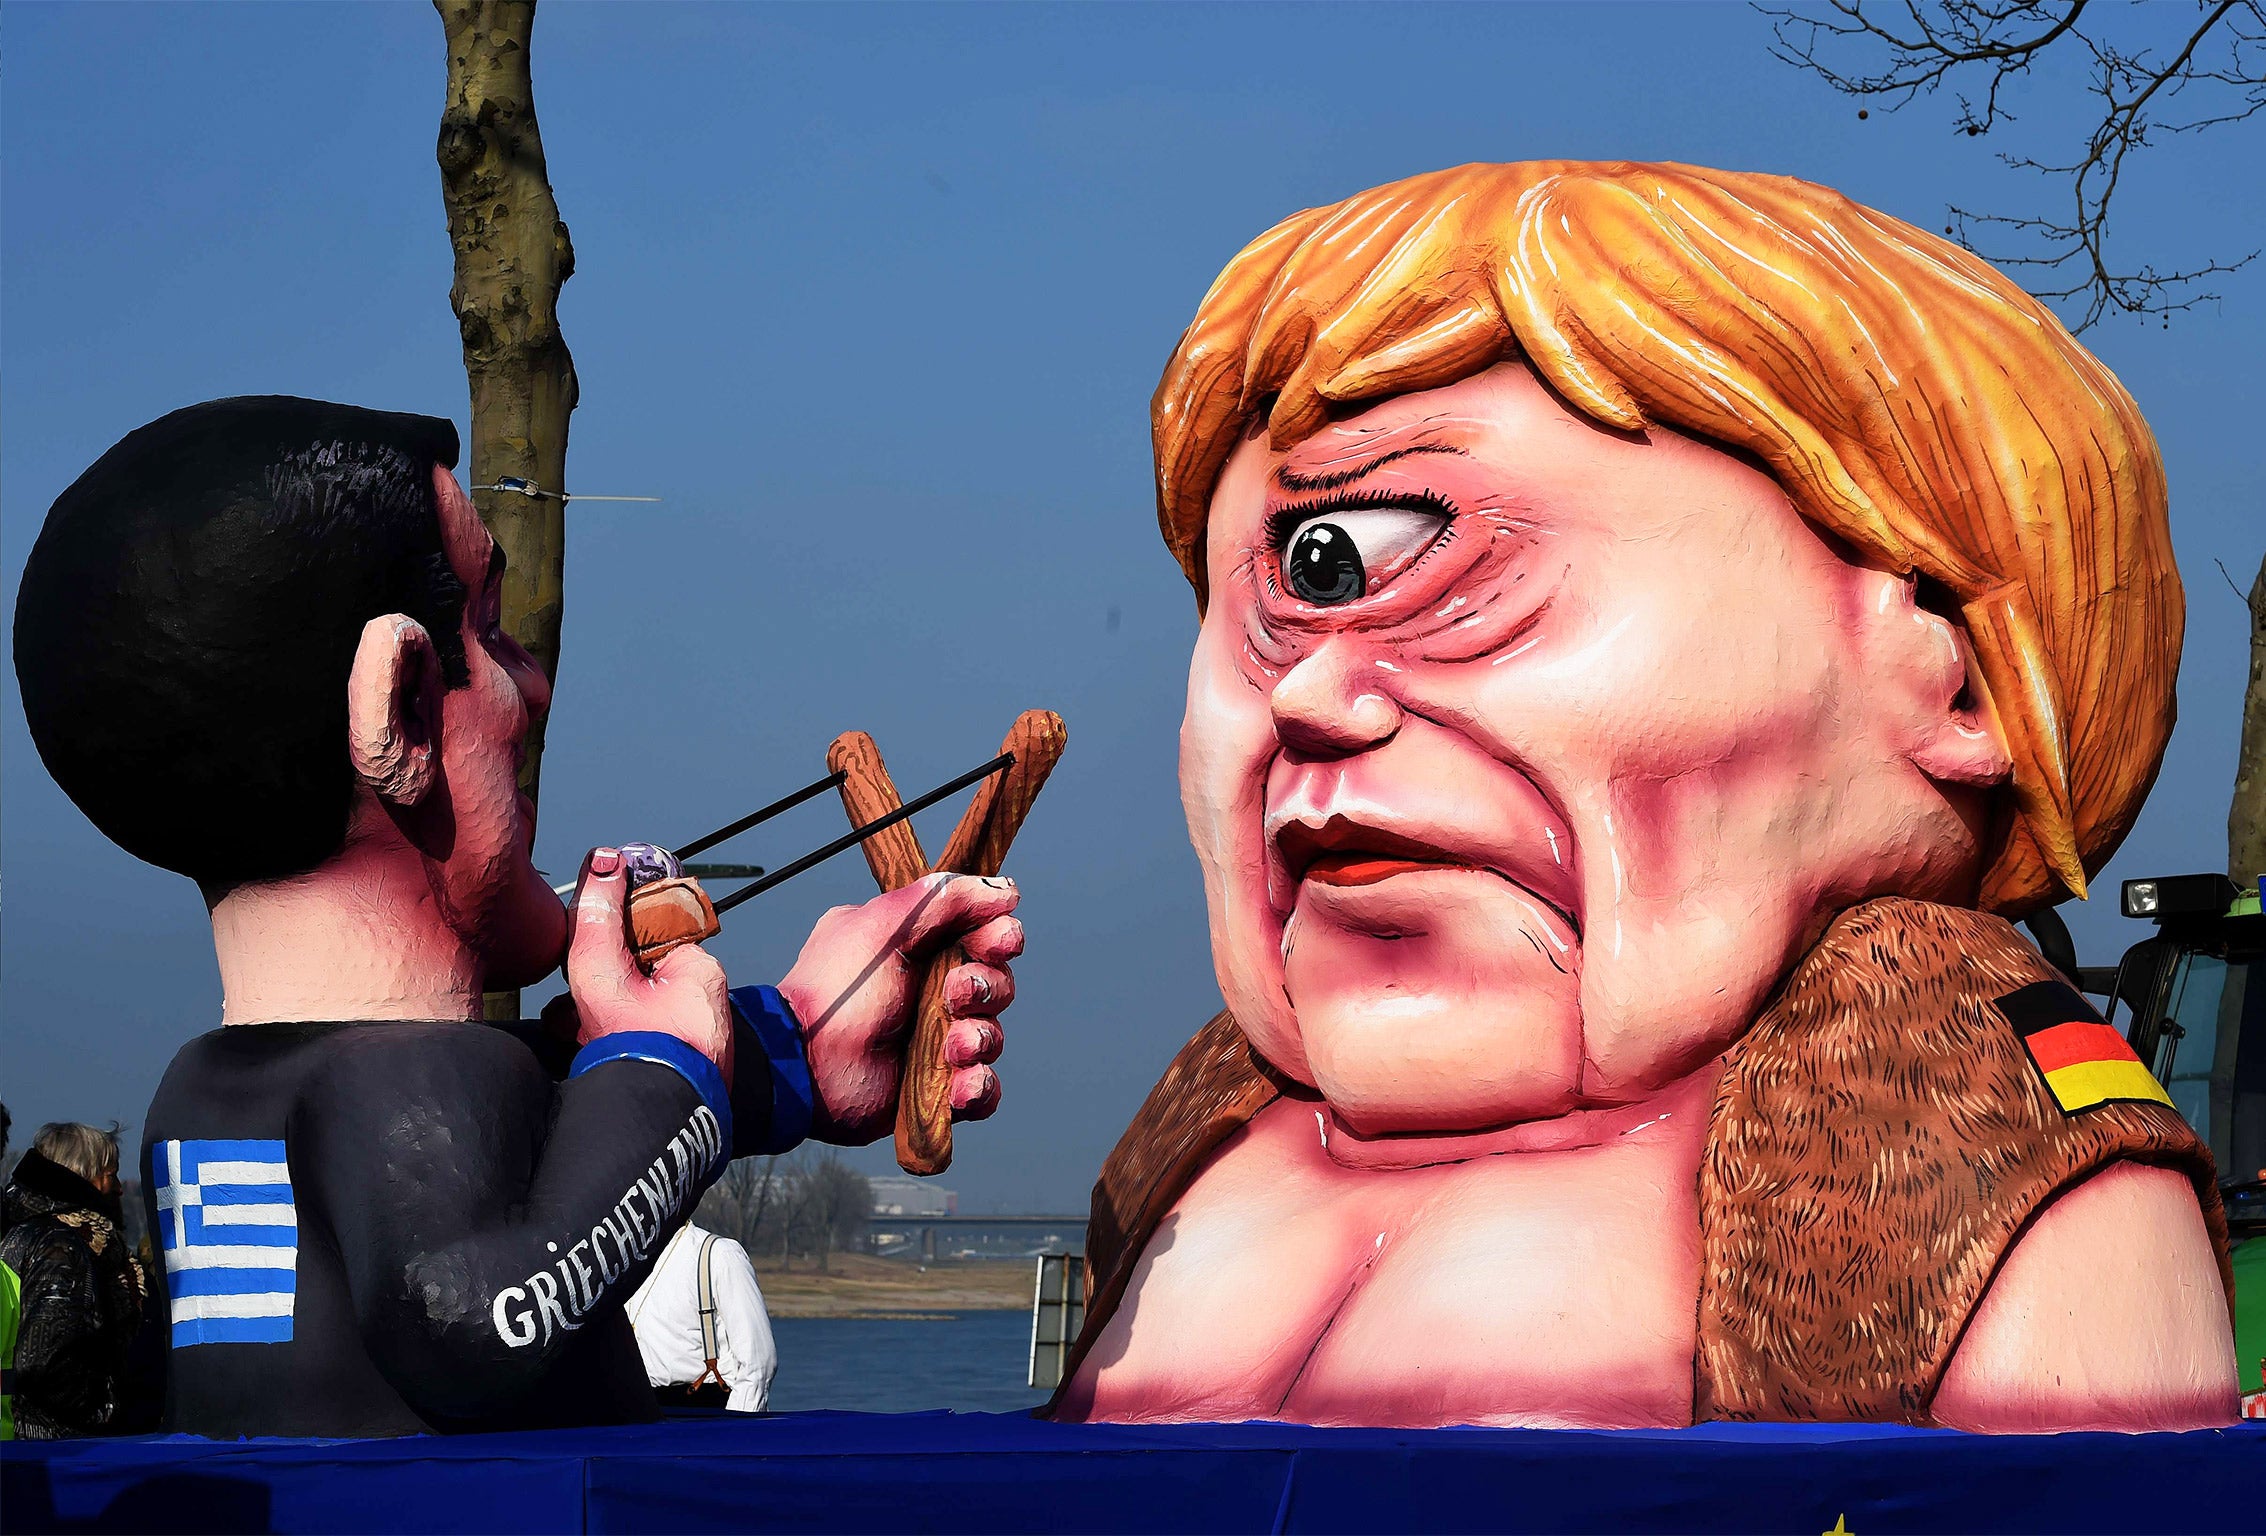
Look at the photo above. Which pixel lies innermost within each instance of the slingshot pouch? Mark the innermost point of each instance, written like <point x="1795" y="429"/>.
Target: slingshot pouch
<point x="666" y="914"/>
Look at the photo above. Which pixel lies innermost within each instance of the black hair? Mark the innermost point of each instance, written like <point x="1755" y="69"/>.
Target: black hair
<point x="189" y="616"/>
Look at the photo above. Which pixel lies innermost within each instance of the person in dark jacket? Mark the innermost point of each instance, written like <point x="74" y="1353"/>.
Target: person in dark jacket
<point x="82" y="1288"/>
<point x="11" y="1307"/>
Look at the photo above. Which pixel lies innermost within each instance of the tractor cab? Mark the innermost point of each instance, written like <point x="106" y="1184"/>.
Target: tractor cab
<point x="2191" y="1000"/>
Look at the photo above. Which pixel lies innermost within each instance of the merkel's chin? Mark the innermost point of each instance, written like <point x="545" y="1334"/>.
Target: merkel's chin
<point x="1391" y="1065"/>
<point x="1441" y="1001"/>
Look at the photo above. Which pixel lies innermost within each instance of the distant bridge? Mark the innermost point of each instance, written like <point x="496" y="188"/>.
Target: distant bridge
<point x="975" y="1237"/>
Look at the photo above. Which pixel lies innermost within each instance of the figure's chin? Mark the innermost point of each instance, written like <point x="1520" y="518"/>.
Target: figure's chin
<point x="1436" y="1001"/>
<point x="528" y="940"/>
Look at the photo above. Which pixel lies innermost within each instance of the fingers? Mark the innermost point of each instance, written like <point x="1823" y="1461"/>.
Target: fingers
<point x="975" y="1093"/>
<point x="996" y="942"/>
<point x="954" y="905"/>
<point x="599" y="962"/>
<point x="972" y="1042"/>
<point x="972" y="991"/>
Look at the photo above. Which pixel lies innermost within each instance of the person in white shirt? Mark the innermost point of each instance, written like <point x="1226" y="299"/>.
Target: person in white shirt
<point x="701" y="1326"/>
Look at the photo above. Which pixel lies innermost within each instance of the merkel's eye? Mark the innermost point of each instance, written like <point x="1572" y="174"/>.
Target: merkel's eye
<point x="1333" y="559"/>
<point x="1322" y="566"/>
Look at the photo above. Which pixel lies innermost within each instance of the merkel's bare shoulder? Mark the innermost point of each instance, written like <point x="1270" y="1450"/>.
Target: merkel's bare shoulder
<point x="2107" y="1314"/>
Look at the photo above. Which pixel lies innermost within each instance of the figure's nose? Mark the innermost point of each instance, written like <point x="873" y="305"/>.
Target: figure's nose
<point x="1333" y="704"/>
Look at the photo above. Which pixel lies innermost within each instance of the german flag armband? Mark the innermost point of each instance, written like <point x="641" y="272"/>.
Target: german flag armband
<point x="2084" y="1062"/>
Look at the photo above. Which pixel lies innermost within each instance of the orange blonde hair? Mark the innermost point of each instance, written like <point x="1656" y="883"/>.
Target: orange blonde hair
<point x="1908" y="398"/>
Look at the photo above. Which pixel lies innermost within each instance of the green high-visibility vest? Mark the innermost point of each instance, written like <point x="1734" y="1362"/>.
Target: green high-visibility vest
<point x="11" y="1307"/>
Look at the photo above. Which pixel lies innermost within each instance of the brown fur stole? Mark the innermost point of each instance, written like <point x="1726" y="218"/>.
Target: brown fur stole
<point x="1879" y="1141"/>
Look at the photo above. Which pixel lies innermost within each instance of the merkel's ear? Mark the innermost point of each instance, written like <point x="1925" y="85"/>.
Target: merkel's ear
<point x="1960" y="741"/>
<point x="393" y="709"/>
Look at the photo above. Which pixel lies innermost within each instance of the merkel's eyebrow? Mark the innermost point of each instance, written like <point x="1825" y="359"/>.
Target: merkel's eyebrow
<point x="1330" y="479"/>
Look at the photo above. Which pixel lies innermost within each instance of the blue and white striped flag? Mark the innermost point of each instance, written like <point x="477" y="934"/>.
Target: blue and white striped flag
<point x="231" y="1239"/>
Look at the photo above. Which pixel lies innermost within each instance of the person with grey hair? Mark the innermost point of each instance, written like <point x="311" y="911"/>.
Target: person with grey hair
<point x="82" y="1289"/>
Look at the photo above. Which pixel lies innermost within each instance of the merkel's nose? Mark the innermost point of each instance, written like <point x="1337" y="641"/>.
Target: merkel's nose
<point x="1334" y="704"/>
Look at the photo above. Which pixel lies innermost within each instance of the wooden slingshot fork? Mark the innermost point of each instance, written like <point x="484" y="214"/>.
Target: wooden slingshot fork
<point x="978" y="847"/>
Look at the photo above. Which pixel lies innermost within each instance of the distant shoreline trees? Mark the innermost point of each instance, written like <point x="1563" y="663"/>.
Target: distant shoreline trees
<point x="810" y="1206"/>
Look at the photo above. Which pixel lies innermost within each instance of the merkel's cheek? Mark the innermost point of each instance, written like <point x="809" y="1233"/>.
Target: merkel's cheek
<point x="1226" y="741"/>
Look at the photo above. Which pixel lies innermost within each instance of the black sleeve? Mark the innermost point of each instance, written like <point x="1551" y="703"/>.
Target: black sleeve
<point x="485" y="1215"/>
<point x="763" y="1028"/>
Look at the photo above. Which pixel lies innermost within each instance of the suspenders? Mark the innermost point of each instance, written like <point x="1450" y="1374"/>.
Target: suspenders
<point x="708" y="1335"/>
<point x="708" y="1348"/>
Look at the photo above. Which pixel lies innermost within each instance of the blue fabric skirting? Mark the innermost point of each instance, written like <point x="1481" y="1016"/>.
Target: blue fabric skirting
<point x="837" y="1472"/>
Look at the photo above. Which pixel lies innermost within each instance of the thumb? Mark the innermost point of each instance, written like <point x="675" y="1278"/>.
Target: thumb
<point x="688" y="965"/>
<point x="599" y="962"/>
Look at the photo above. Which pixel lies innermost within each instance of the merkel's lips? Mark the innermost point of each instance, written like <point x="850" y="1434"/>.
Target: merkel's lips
<point x="1349" y="850"/>
<point x="1344" y="852"/>
<point x="1369" y="868"/>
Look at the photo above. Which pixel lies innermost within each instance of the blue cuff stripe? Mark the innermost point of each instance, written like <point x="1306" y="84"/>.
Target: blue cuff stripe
<point x="766" y="1013"/>
<point x="669" y="1051"/>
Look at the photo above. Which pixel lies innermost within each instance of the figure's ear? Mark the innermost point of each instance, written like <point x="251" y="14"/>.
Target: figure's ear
<point x="393" y="709"/>
<point x="1960" y="739"/>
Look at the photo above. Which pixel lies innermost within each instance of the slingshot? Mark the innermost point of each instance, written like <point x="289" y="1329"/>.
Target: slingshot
<point x="667" y="910"/>
<point x="978" y="846"/>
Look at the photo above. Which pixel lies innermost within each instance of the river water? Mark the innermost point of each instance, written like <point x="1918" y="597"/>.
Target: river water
<point x="966" y="1360"/>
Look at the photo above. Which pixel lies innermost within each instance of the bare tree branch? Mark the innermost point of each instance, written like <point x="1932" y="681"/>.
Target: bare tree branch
<point x="1924" y="54"/>
<point x="2220" y="54"/>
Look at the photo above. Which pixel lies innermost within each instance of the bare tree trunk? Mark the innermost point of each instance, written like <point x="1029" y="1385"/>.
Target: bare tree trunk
<point x="2246" y="818"/>
<point x="512" y="257"/>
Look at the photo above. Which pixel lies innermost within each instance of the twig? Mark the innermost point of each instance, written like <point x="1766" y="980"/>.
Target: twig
<point x="1928" y="45"/>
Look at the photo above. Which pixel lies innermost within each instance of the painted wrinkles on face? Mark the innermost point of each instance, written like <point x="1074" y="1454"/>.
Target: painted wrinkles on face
<point x="1470" y="594"/>
<point x="1485" y="576"/>
<point x="1480" y="590"/>
<point x="1692" y="744"/>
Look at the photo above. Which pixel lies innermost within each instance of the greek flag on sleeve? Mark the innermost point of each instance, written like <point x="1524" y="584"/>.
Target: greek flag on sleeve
<point x="231" y="1239"/>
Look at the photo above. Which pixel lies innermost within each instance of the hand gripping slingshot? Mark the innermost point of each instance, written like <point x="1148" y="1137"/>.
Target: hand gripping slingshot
<point x="978" y="847"/>
<point x="667" y="910"/>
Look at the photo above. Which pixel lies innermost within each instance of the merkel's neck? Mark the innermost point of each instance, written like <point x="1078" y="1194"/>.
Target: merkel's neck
<point x="1677" y="1109"/>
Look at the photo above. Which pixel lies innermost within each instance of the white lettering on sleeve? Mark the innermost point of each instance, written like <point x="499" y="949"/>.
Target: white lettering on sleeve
<point x="514" y="1328"/>
<point x="666" y="1187"/>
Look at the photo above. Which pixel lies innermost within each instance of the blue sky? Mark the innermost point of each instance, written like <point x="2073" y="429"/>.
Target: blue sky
<point x="875" y="298"/>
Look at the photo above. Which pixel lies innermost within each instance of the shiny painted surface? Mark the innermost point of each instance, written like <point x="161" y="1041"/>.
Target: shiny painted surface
<point x="1648" y="722"/>
<point x="1502" y="850"/>
<point x="435" y="898"/>
<point x="1554" y="1287"/>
